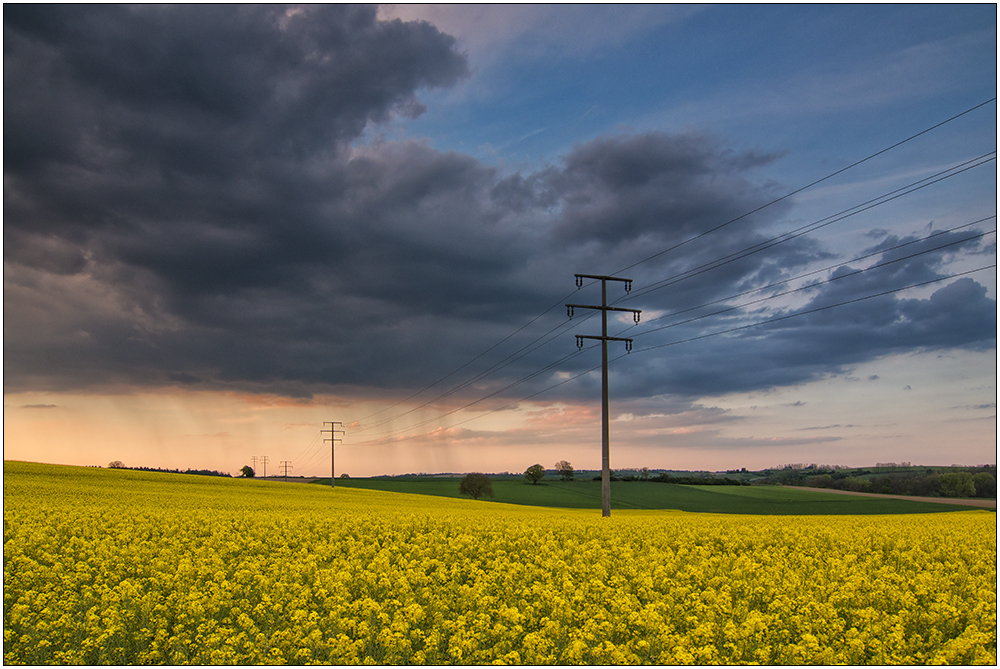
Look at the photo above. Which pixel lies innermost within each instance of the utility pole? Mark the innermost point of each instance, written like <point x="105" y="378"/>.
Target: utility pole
<point x="333" y="444"/>
<point x="604" y="338"/>
<point x="253" y="460"/>
<point x="285" y="464"/>
<point x="263" y="459"/>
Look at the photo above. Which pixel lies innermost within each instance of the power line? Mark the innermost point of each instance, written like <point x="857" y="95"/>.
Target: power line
<point x="524" y="379"/>
<point x="819" y="283"/>
<point x="492" y="411"/>
<point x="816" y="225"/>
<point x="887" y="197"/>
<point x="817" y="271"/>
<point x="460" y="368"/>
<point x="718" y="263"/>
<point x="675" y="343"/>
<point x="312" y="458"/>
<point x="316" y="456"/>
<point x="745" y="215"/>
<point x="568" y="357"/>
<point x="708" y="266"/>
<point x="306" y="449"/>
<point x="510" y="359"/>
<point x="481" y="399"/>
<point x="812" y="311"/>
<point x="807" y="186"/>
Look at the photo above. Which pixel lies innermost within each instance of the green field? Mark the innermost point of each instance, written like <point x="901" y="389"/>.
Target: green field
<point x="768" y="500"/>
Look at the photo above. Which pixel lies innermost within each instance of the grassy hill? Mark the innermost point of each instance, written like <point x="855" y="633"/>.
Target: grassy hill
<point x="769" y="500"/>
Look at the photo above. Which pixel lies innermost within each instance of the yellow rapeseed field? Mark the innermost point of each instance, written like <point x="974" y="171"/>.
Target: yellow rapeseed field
<point x="122" y="567"/>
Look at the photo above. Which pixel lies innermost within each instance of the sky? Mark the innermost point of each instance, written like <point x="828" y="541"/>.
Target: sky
<point x="227" y="225"/>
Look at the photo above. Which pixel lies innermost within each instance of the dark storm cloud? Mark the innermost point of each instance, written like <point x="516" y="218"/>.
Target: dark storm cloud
<point x="183" y="206"/>
<point x="199" y="124"/>
<point x="198" y="88"/>
<point x="958" y="314"/>
<point x="822" y="341"/>
<point x="652" y="187"/>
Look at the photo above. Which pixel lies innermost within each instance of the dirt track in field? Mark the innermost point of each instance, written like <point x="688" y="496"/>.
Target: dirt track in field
<point x="961" y="501"/>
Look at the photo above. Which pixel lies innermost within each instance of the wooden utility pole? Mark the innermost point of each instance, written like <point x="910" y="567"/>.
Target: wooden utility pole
<point x="333" y="444"/>
<point x="604" y="338"/>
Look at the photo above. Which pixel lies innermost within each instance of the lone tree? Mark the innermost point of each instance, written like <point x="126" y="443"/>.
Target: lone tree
<point x="534" y="473"/>
<point x="565" y="470"/>
<point x="116" y="464"/>
<point x="247" y="472"/>
<point x="476" y="485"/>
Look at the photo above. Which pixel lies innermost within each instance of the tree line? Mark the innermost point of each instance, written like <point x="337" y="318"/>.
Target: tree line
<point x="695" y="480"/>
<point x="118" y="464"/>
<point x="885" y="478"/>
<point x="477" y="485"/>
<point x="971" y="482"/>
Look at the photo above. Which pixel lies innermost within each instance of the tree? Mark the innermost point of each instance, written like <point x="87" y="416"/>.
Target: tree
<point x="856" y="485"/>
<point x="534" y="473"/>
<point x="344" y="476"/>
<point x="644" y="474"/>
<point x="822" y="481"/>
<point x="958" y="484"/>
<point x="476" y="485"/>
<point x="247" y="472"/>
<point x="986" y="485"/>
<point x="116" y="464"/>
<point x="565" y="470"/>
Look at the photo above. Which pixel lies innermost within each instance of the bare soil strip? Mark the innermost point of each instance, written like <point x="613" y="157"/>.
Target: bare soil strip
<point x="961" y="501"/>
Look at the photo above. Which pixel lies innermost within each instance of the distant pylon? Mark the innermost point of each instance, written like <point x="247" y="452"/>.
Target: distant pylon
<point x="333" y="444"/>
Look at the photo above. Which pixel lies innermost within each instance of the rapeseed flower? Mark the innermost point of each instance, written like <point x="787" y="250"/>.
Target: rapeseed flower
<point x="121" y="567"/>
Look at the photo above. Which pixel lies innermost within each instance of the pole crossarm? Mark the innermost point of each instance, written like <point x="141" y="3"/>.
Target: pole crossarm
<point x="602" y="277"/>
<point x="628" y="342"/>
<point x="570" y="307"/>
